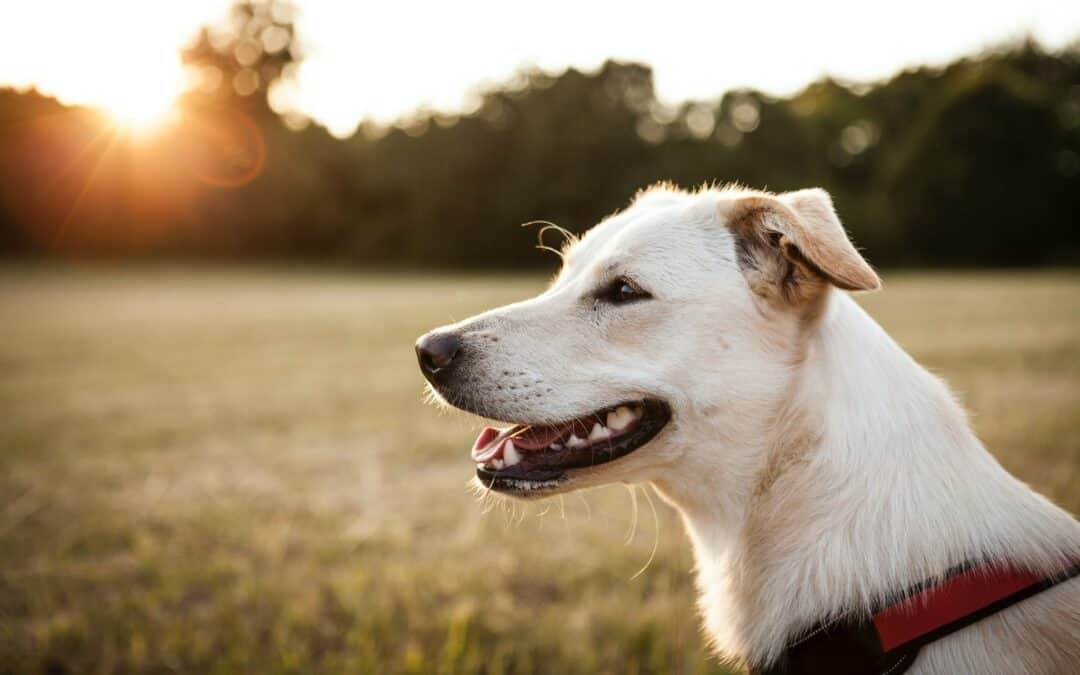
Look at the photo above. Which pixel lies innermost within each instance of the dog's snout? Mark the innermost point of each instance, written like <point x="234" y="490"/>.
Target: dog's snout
<point x="436" y="353"/>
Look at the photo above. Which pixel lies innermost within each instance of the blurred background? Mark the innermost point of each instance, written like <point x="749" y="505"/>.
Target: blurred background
<point x="223" y="224"/>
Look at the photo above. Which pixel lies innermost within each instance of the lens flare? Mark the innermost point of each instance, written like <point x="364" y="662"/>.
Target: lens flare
<point x="141" y="113"/>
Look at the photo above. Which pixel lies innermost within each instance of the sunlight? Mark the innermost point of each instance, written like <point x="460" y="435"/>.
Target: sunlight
<point x="140" y="112"/>
<point x="134" y="76"/>
<point x="141" y="97"/>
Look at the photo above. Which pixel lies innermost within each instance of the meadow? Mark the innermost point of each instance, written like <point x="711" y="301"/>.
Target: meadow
<point x="223" y="471"/>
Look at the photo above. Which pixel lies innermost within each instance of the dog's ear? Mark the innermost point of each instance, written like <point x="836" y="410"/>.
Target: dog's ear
<point x="790" y="245"/>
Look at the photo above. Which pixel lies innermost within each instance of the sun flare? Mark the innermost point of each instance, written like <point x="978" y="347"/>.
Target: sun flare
<point x="141" y="113"/>
<point x="140" y="96"/>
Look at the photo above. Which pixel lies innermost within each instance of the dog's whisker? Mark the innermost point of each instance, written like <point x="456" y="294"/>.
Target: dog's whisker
<point x="632" y="529"/>
<point x="588" y="509"/>
<point x="656" y="537"/>
<point x="569" y="238"/>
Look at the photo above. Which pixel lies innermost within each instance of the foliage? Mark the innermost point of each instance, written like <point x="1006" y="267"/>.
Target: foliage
<point x="976" y="163"/>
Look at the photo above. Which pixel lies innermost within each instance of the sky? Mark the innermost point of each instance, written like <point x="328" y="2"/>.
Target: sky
<point x="384" y="60"/>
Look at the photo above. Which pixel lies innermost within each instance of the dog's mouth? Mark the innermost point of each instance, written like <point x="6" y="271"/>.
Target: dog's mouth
<point x="528" y="457"/>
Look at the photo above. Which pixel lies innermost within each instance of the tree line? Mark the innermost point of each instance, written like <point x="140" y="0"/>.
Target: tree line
<point x="974" y="163"/>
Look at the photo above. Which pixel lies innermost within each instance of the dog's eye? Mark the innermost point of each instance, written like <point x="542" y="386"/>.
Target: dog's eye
<point x="623" y="290"/>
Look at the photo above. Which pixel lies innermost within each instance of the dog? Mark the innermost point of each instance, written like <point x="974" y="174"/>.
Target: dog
<point x="706" y="343"/>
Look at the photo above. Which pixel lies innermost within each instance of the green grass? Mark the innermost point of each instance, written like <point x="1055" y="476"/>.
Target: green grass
<point x="209" y="471"/>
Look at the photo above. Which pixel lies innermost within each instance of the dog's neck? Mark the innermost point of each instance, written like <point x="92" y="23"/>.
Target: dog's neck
<point x="868" y="480"/>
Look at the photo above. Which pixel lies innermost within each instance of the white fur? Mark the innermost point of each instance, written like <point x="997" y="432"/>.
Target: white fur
<point x="817" y="467"/>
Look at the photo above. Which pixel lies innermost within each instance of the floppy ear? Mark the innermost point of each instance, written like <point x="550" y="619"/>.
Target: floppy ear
<point x="790" y="245"/>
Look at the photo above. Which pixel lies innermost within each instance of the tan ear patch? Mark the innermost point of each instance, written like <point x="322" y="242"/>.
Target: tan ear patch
<point x="791" y="246"/>
<point x="822" y="240"/>
<point x="764" y="257"/>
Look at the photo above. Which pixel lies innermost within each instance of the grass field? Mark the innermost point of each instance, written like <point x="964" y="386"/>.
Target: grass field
<point x="234" y="472"/>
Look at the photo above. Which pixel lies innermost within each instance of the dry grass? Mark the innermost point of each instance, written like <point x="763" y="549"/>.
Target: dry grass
<point x="234" y="472"/>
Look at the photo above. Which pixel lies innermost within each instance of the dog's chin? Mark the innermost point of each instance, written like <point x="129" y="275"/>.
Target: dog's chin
<point x="537" y="460"/>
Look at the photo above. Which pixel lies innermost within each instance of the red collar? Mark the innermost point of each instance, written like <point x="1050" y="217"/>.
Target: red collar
<point x="888" y="640"/>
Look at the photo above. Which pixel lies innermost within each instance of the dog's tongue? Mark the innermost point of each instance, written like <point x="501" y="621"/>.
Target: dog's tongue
<point x="491" y="441"/>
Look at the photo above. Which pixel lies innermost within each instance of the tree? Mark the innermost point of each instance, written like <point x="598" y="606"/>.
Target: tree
<point x="240" y="62"/>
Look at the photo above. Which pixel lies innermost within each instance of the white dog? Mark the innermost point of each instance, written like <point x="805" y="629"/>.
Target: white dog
<point x="844" y="516"/>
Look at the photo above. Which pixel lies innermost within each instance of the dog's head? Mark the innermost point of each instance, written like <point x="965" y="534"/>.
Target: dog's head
<point x="671" y="332"/>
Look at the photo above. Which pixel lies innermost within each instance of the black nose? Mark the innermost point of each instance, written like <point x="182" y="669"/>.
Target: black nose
<point x="436" y="352"/>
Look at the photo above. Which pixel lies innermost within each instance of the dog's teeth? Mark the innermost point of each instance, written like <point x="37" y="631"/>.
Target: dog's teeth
<point x="599" y="432"/>
<point x="575" y="442"/>
<point x="620" y="418"/>
<point x="510" y="454"/>
<point x="498" y="464"/>
<point x="556" y="446"/>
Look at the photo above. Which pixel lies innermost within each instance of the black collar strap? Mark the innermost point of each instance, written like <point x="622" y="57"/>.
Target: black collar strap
<point x="887" y="642"/>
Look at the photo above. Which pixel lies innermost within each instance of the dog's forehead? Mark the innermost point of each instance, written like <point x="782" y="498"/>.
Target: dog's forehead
<point x="650" y="233"/>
